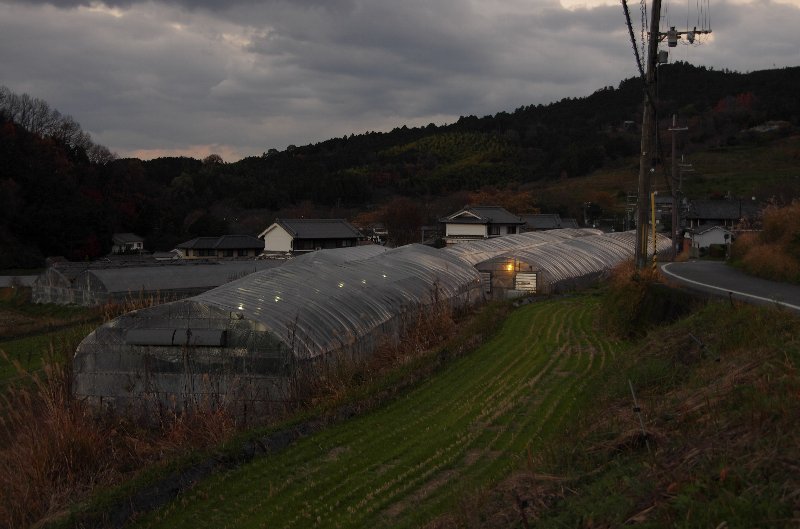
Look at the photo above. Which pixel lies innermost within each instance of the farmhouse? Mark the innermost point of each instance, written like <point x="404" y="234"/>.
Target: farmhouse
<point x="703" y="238"/>
<point x="724" y="212"/>
<point x="227" y="246"/>
<point x="126" y="243"/>
<point x="297" y="236"/>
<point x="480" y="222"/>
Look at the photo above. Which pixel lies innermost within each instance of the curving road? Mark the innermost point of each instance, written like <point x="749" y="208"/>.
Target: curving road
<point x="717" y="278"/>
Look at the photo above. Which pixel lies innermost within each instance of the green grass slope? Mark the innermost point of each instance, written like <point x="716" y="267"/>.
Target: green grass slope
<point x="417" y="457"/>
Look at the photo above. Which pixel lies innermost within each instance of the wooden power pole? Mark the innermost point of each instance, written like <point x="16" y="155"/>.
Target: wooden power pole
<point x="647" y="157"/>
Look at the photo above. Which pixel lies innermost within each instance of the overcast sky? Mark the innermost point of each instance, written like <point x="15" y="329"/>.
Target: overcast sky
<point x="238" y="77"/>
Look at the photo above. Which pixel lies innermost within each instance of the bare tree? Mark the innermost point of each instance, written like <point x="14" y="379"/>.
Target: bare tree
<point x="36" y="116"/>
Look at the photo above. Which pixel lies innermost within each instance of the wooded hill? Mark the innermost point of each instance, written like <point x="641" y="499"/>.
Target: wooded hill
<point x="54" y="200"/>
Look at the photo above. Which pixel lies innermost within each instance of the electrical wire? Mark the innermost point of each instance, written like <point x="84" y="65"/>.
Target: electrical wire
<point x="633" y="39"/>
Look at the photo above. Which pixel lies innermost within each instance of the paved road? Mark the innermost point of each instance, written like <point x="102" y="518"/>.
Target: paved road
<point x="717" y="278"/>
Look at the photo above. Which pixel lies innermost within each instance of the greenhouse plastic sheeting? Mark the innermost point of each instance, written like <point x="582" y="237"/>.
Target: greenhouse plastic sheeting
<point x="253" y="334"/>
<point x="324" y="307"/>
<point x="478" y="251"/>
<point x="92" y="284"/>
<point x="572" y="259"/>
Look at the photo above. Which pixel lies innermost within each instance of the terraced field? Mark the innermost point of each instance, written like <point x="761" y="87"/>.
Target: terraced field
<point x="415" y="458"/>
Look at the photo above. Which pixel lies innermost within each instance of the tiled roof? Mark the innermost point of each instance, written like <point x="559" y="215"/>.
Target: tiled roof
<point x="543" y="221"/>
<point x="721" y="209"/>
<point x="234" y="242"/>
<point x="319" y="228"/>
<point x="483" y="215"/>
<point x="122" y="238"/>
<point x="225" y="242"/>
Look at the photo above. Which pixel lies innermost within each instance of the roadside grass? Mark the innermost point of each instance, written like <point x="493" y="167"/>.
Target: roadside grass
<point x="774" y="252"/>
<point x="723" y="433"/>
<point x="403" y="464"/>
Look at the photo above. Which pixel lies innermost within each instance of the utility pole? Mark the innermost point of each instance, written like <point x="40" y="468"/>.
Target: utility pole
<point x="646" y="159"/>
<point x="675" y="186"/>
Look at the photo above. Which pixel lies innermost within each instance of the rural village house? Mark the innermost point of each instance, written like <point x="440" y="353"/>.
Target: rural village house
<point x="226" y="246"/>
<point x="306" y="235"/>
<point x="726" y="212"/>
<point x="715" y="221"/>
<point x="126" y="243"/>
<point x="480" y="222"/>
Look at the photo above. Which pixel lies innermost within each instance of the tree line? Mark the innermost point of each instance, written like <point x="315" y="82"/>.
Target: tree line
<point x="62" y="194"/>
<point x="36" y="116"/>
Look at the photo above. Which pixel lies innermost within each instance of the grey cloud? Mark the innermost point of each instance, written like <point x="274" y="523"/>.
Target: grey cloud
<point x="253" y="75"/>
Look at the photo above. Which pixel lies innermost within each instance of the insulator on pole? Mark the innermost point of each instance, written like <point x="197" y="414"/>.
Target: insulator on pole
<point x="672" y="37"/>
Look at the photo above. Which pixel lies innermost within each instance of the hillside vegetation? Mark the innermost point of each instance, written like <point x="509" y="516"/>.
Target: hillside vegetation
<point x="58" y="200"/>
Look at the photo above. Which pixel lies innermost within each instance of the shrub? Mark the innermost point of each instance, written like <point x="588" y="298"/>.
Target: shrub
<point x="775" y="252"/>
<point x="637" y="300"/>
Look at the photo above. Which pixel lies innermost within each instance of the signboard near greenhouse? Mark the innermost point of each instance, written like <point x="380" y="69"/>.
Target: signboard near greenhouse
<point x="525" y="281"/>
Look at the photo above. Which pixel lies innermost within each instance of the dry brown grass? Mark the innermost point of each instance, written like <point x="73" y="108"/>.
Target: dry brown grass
<point x="133" y="301"/>
<point x="421" y="330"/>
<point x="55" y="451"/>
<point x="775" y="252"/>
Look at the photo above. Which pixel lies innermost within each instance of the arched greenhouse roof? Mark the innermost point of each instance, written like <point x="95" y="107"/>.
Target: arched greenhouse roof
<point x="324" y="307"/>
<point x="573" y="258"/>
<point x="478" y="251"/>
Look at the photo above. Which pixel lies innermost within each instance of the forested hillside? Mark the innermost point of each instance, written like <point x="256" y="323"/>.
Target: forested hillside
<point x="66" y="198"/>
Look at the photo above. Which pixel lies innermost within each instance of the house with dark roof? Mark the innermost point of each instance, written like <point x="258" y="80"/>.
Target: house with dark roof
<point x="306" y="235"/>
<point x="126" y="243"/>
<point x="226" y="246"/>
<point x="723" y="212"/>
<point x="480" y="222"/>
<point x="546" y="221"/>
<point x="715" y="222"/>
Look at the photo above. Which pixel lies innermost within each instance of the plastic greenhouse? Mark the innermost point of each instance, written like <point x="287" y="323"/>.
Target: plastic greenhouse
<point x="559" y="266"/>
<point x="478" y="251"/>
<point x="91" y="284"/>
<point x="247" y="340"/>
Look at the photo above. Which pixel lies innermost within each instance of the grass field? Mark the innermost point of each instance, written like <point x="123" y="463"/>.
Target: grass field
<point x="26" y="355"/>
<point x="420" y="455"/>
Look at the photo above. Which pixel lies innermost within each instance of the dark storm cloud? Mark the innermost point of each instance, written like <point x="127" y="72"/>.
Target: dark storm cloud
<point x="244" y="75"/>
